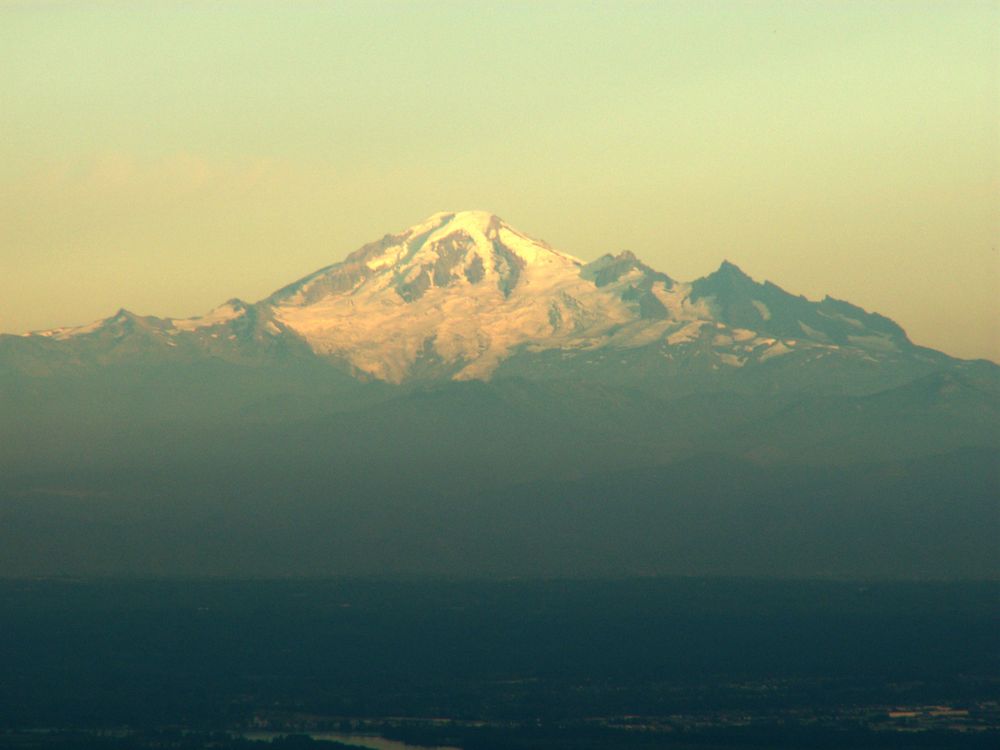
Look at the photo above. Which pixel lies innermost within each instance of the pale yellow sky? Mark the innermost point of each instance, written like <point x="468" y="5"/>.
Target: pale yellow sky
<point x="165" y="156"/>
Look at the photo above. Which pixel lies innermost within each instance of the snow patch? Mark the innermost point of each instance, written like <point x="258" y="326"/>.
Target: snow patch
<point x="67" y="332"/>
<point x="813" y="333"/>
<point x="677" y="301"/>
<point x="687" y="333"/>
<point x="221" y="314"/>
<point x="775" y="350"/>
<point x="386" y="260"/>
<point x="761" y="308"/>
<point x="879" y="342"/>
<point x="853" y="322"/>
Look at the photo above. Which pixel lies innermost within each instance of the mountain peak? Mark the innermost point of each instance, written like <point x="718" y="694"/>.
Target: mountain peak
<point x="474" y="229"/>
<point x="483" y="233"/>
<point x="479" y="220"/>
<point x="474" y="224"/>
<point x="731" y="269"/>
<point x="462" y="292"/>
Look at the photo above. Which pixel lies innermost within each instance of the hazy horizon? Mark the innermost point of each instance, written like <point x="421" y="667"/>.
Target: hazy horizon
<point x="165" y="157"/>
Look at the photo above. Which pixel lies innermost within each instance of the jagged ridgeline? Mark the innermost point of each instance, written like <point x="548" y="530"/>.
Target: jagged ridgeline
<point x="460" y="397"/>
<point x="462" y="295"/>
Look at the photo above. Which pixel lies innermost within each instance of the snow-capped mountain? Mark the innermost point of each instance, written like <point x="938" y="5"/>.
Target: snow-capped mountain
<point x="460" y="295"/>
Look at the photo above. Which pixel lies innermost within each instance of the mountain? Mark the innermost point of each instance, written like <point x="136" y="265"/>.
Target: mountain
<point x="465" y="296"/>
<point x="462" y="399"/>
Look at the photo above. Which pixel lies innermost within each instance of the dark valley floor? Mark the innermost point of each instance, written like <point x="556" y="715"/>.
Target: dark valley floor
<point x="619" y="663"/>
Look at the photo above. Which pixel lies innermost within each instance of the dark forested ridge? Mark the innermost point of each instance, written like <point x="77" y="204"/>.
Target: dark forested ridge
<point x="459" y="399"/>
<point x="514" y="477"/>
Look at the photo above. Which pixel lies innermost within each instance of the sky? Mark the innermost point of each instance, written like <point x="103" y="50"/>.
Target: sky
<point x="167" y="156"/>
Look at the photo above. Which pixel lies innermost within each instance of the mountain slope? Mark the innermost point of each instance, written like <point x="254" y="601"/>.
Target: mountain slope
<point x="933" y="517"/>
